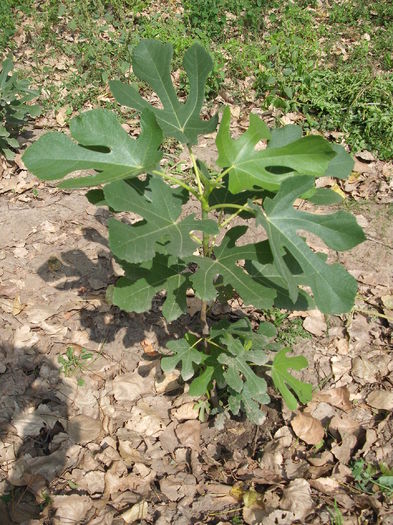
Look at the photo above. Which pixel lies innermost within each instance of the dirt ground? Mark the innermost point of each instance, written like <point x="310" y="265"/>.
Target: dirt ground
<point x="118" y="442"/>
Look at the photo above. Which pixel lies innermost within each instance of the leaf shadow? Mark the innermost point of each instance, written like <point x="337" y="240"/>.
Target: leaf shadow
<point x="74" y="270"/>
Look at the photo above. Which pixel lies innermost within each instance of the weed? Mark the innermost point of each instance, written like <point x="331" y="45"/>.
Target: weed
<point x="15" y="110"/>
<point x="369" y="477"/>
<point x="289" y="330"/>
<point x="73" y="363"/>
<point x="336" y="517"/>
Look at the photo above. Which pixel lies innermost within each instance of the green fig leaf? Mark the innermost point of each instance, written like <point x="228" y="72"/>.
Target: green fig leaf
<point x="334" y="289"/>
<point x="224" y="263"/>
<point x="185" y="354"/>
<point x="282" y="379"/>
<point x="268" y="168"/>
<point x="243" y="330"/>
<point x="246" y="389"/>
<point x="103" y="146"/>
<point x="135" y="291"/>
<point x="162" y="230"/>
<point x="151" y="60"/>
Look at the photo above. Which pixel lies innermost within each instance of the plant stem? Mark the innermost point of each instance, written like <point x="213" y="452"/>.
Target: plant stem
<point x="227" y="221"/>
<point x="234" y="206"/>
<point x="205" y="247"/>
<point x="203" y="195"/>
<point x="196" y="171"/>
<point x="175" y="180"/>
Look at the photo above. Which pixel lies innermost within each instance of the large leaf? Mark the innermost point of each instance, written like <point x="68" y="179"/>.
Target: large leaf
<point x="224" y="263"/>
<point x="282" y="379"/>
<point x="135" y="291"/>
<point x="268" y="168"/>
<point x="185" y="354"/>
<point x="333" y="287"/>
<point x="162" y="230"/>
<point x="151" y="61"/>
<point x="267" y="274"/>
<point x="103" y="146"/>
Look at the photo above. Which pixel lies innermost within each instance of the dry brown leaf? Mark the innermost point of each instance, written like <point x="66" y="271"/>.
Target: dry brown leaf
<point x="71" y="508"/>
<point x="148" y="348"/>
<point x="277" y="517"/>
<point x="61" y="116"/>
<point x="283" y="438"/>
<point x="387" y="301"/>
<point x="189" y="434"/>
<point x="341" y="366"/>
<point x="363" y="370"/>
<point x="168" y="439"/>
<point x="371" y="438"/>
<point x="24" y="337"/>
<point x="132" y="386"/>
<point x="184" y="412"/>
<point x="337" y="397"/>
<point x="307" y="428"/>
<point x="380" y="399"/>
<point x="168" y="382"/>
<point x="343" y="424"/>
<point x="136" y="512"/>
<point x="176" y="486"/>
<point x="254" y="516"/>
<point x="343" y="452"/>
<point x="83" y="429"/>
<point x="326" y="485"/>
<point x="146" y="420"/>
<point x="319" y="461"/>
<point x="315" y="323"/>
<point x="297" y="498"/>
<point x="17" y="306"/>
<point x="367" y="156"/>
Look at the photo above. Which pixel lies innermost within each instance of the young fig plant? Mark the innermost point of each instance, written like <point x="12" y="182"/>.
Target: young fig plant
<point x="172" y="251"/>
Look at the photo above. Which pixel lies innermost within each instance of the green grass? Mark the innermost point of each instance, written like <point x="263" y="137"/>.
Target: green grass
<point x="330" y="61"/>
<point x="345" y="86"/>
<point x="289" y="331"/>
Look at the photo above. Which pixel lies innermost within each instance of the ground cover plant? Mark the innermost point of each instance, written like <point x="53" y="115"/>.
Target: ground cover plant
<point x="166" y="251"/>
<point x="14" y="108"/>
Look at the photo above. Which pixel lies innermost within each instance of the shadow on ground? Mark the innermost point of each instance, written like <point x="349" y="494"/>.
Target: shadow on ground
<point x="36" y="436"/>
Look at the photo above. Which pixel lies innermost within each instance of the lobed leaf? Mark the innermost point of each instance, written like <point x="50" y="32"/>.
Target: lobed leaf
<point x="340" y="166"/>
<point x="224" y="263"/>
<point x="333" y="287"/>
<point x="243" y="330"/>
<point x="245" y="387"/>
<point x="238" y="370"/>
<point x="268" y="168"/>
<point x="103" y="146"/>
<point x="185" y="354"/>
<point x="135" y="291"/>
<point x="282" y="379"/>
<point x="151" y="61"/>
<point x="162" y="230"/>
